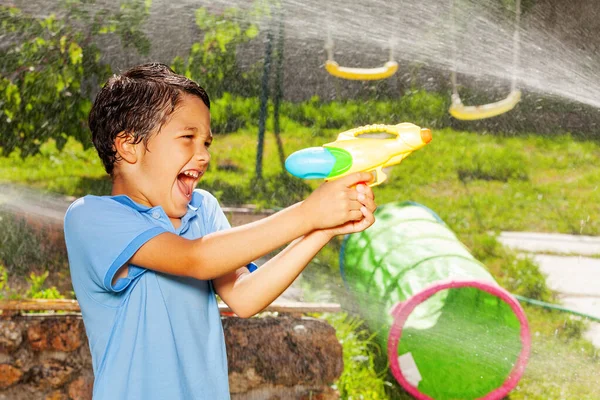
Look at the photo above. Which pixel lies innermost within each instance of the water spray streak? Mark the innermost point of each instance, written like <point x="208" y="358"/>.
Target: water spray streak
<point x="422" y="32"/>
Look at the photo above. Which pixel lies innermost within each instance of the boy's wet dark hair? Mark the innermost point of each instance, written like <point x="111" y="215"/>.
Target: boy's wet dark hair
<point x="139" y="103"/>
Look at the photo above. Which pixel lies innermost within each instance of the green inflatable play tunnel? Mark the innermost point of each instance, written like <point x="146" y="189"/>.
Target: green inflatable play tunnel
<point x="450" y="330"/>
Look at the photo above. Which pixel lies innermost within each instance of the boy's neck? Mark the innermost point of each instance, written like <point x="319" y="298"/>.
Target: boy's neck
<point x="119" y="187"/>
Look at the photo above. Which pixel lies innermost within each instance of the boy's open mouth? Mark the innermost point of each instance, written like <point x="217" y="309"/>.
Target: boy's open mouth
<point x="187" y="181"/>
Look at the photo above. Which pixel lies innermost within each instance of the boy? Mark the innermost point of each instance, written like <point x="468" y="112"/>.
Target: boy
<point x="147" y="260"/>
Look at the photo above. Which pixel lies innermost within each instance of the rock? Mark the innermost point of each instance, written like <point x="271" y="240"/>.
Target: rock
<point x="281" y="351"/>
<point x="56" y="395"/>
<point x="9" y="375"/>
<point x="24" y="358"/>
<point x="11" y="336"/>
<point x="56" y="334"/>
<point x="81" y="388"/>
<point x="278" y="392"/>
<point x="51" y="374"/>
<point x="327" y="394"/>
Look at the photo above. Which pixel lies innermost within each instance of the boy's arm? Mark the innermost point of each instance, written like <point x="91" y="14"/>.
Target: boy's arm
<point x="248" y="293"/>
<point x="222" y="252"/>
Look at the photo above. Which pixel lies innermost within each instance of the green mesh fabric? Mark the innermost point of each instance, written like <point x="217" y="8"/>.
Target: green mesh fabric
<point x="463" y="341"/>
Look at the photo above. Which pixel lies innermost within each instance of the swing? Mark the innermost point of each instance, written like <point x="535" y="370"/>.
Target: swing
<point x="470" y="113"/>
<point x="358" y="74"/>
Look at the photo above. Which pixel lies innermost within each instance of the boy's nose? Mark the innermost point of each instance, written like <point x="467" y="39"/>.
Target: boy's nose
<point x="202" y="155"/>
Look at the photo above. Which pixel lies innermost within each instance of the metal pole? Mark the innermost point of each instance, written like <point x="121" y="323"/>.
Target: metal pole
<point x="264" y="99"/>
<point x="279" y="89"/>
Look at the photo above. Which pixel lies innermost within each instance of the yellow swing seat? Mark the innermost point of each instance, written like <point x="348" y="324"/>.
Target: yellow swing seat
<point x="362" y="74"/>
<point x="470" y="113"/>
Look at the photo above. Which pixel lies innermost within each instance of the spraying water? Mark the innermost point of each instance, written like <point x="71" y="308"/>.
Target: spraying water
<point x="475" y="39"/>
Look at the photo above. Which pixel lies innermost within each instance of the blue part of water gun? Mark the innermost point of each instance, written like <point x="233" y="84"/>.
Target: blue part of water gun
<point x="311" y="163"/>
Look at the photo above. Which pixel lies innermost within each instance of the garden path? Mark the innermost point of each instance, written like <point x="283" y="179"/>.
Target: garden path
<point x="572" y="266"/>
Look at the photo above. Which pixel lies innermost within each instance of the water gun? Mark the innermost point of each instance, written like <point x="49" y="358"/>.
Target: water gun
<point x="355" y="150"/>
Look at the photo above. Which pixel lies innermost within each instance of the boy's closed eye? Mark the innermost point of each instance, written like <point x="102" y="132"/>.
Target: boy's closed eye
<point x="206" y="144"/>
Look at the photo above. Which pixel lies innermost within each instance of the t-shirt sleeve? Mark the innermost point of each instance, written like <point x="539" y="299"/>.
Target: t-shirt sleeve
<point x="217" y="220"/>
<point x="101" y="236"/>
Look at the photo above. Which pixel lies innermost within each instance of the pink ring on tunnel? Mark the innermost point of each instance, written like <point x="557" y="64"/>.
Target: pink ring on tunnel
<point x="401" y="312"/>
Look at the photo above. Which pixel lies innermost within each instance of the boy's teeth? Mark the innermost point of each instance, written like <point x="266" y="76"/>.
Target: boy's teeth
<point x="193" y="174"/>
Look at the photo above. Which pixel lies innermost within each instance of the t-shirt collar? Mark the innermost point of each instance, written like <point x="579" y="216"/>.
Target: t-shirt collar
<point x="193" y="206"/>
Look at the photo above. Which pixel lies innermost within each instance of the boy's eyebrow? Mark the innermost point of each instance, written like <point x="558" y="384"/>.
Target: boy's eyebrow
<point x="194" y="129"/>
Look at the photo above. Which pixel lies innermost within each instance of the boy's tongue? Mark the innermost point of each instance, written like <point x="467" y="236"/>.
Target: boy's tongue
<point x="186" y="184"/>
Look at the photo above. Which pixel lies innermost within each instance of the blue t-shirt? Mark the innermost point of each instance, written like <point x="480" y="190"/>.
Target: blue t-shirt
<point x="151" y="335"/>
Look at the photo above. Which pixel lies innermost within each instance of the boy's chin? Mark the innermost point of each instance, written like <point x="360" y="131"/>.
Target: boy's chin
<point x="175" y="214"/>
<point x="181" y="201"/>
<point x="180" y="210"/>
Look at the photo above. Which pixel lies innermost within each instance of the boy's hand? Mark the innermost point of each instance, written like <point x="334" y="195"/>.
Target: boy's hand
<point x="336" y="202"/>
<point x="367" y="199"/>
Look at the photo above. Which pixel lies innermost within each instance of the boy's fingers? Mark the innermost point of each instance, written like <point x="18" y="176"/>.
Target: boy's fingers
<point x="369" y="203"/>
<point x="369" y="216"/>
<point x="355" y="178"/>
<point x="356" y="215"/>
<point x="353" y="195"/>
<point x="355" y="205"/>
<point x="366" y="190"/>
<point x="370" y="193"/>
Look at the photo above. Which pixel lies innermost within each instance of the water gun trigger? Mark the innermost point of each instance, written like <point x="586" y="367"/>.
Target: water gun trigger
<point x="378" y="175"/>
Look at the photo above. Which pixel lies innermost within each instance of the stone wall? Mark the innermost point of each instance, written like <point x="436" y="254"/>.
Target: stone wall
<point x="47" y="357"/>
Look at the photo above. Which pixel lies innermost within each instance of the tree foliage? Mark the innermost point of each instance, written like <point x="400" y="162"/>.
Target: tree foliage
<point x="212" y="60"/>
<point x="51" y="67"/>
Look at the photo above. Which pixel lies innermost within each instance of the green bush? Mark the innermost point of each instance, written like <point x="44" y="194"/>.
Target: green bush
<point x="283" y="187"/>
<point x="424" y="108"/>
<point x="25" y="247"/>
<point x="36" y="288"/>
<point x="5" y="291"/>
<point x="230" y="113"/>
<point x="523" y="277"/>
<point x="420" y="107"/>
<point x="518" y="274"/>
<point x="360" y="379"/>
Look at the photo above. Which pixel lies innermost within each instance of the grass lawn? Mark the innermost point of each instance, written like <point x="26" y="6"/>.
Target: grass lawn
<point x="477" y="183"/>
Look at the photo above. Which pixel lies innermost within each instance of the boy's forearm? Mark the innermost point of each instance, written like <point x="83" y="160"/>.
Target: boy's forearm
<point x="253" y="292"/>
<point x="222" y="252"/>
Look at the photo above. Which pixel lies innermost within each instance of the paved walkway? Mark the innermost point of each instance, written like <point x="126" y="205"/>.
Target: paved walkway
<point x="570" y="269"/>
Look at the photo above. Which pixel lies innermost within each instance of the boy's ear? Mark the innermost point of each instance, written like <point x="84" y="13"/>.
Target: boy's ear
<point x="126" y="147"/>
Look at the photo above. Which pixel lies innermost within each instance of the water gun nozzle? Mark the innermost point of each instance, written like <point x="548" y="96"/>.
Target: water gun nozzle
<point x="426" y="135"/>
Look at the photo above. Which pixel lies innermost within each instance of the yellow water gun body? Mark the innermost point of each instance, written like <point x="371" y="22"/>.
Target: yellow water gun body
<point x="351" y="153"/>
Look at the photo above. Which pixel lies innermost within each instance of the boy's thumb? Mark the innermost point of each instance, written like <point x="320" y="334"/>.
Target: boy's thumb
<point x="356" y="178"/>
